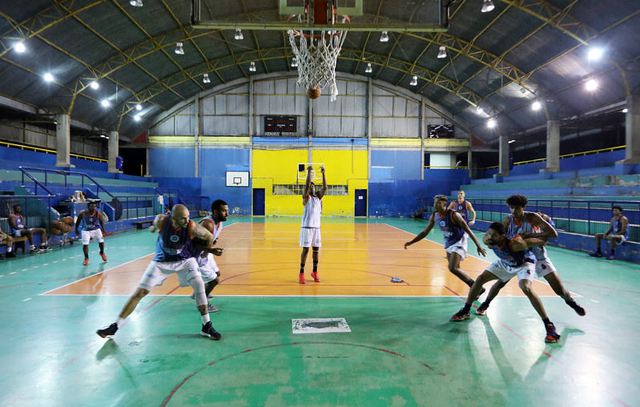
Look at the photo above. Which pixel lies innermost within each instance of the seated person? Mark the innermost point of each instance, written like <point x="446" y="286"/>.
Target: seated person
<point x="61" y="228"/>
<point x="617" y="233"/>
<point x="5" y="239"/>
<point x="78" y="197"/>
<point x="19" y="228"/>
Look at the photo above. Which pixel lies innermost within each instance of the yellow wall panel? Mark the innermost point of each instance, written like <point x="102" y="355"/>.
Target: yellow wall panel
<point x="344" y="167"/>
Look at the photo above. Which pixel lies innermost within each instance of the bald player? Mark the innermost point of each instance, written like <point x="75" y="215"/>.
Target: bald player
<point x="174" y="232"/>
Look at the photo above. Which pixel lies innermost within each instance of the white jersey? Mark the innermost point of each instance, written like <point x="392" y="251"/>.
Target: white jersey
<point x="216" y="229"/>
<point x="312" y="212"/>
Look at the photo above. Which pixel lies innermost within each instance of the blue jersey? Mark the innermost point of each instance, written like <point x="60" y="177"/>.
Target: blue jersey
<point x="461" y="208"/>
<point x="514" y="229"/>
<point x="510" y="258"/>
<point x="171" y="242"/>
<point x="616" y="227"/>
<point x="451" y="231"/>
<point x="20" y="225"/>
<point x="89" y="221"/>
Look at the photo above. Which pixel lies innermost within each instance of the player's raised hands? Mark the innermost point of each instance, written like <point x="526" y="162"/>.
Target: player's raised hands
<point x="482" y="251"/>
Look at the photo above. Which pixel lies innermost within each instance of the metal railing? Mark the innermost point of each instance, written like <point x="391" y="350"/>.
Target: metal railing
<point x="572" y="215"/>
<point x="26" y="172"/>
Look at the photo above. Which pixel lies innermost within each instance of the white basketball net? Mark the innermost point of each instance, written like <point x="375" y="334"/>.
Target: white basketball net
<point x="317" y="54"/>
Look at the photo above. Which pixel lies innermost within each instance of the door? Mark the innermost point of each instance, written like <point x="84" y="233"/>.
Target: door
<point x="361" y="202"/>
<point x="258" y="201"/>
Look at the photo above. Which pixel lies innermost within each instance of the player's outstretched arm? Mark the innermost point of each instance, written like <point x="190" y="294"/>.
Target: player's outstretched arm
<point x="424" y="233"/>
<point x="157" y="222"/>
<point x="457" y="218"/>
<point x="80" y="216"/>
<point x="324" y="183"/>
<point x="307" y="186"/>
<point x="202" y="233"/>
<point x="472" y="212"/>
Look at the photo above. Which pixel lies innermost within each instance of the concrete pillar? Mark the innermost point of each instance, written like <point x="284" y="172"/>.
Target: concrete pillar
<point x="146" y="167"/>
<point x="63" y="141"/>
<point x="553" y="146"/>
<point x="632" y="124"/>
<point x="113" y="151"/>
<point x="370" y="125"/>
<point x="503" y="159"/>
<point x="470" y="164"/>
<point x="196" y="136"/>
<point x="421" y="132"/>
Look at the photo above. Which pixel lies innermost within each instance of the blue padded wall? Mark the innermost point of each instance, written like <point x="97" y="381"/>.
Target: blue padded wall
<point x="171" y="162"/>
<point x="11" y="158"/>
<point x="395" y="165"/>
<point x="214" y="163"/>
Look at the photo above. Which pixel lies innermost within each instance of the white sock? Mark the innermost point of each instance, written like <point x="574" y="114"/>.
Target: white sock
<point x="205" y="318"/>
<point x="9" y="249"/>
<point x="120" y="322"/>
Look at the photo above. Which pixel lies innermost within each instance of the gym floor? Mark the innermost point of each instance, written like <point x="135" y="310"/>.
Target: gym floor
<point x="401" y="351"/>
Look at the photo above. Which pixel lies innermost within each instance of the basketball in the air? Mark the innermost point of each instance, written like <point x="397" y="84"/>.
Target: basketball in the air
<point x="313" y="93"/>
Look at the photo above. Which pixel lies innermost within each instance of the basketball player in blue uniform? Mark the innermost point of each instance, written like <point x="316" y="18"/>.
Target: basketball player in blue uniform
<point x="19" y="228"/>
<point x="617" y="233"/>
<point x="90" y="225"/>
<point x="514" y="259"/>
<point x="464" y="208"/>
<point x="310" y="228"/>
<point x="536" y="225"/>
<point x="174" y="232"/>
<point x="455" y="231"/>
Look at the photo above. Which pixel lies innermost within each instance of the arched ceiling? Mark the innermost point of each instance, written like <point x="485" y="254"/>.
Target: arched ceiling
<point x="501" y="60"/>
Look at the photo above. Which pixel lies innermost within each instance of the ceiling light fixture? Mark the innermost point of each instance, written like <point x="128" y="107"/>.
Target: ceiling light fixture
<point x="442" y="52"/>
<point x="369" y="68"/>
<point x="252" y="66"/>
<point x="94" y="85"/>
<point x="414" y="81"/>
<point x="238" y="36"/>
<point x="511" y="141"/>
<point x="536" y="105"/>
<point x="591" y="85"/>
<point x="205" y="78"/>
<point x="136" y="3"/>
<point x="487" y="6"/>
<point x="137" y="118"/>
<point x="594" y="53"/>
<point x="105" y="103"/>
<point x="19" y="47"/>
<point x="492" y="123"/>
<point x="48" y="77"/>
<point x="294" y="62"/>
<point x="625" y="110"/>
<point x="138" y="107"/>
<point x="384" y="37"/>
<point x="179" y="48"/>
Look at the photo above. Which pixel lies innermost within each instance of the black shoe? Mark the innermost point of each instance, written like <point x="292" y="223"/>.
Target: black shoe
<point x="109" y="331"/>
<point x="578" y="309"/>
<point x="552" y="336"/>
<point x="210" y="332"/>
<point x="460" y="316"/>
<point x="597" y="253"/>
<point x="482" y="309"/>
<point x="10" y="254"/>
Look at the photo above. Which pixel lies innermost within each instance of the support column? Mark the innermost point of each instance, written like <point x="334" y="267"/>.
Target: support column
<point x="63" y="141"/>
<point x="470" y="164"/>
<point x="632" y="125"/>
<point x="421" y="130"/>
<point x="553" y="146"/>
<point x="146" y="167"/>
<point x="196" y="136"/>
<point x="503" y="159"/>
<point x="370" y="124"/>
<point x="113" y="151"/>
<point x="309" y="129"/>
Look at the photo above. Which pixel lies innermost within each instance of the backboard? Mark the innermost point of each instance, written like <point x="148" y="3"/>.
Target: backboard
<point x="362" y="15"/>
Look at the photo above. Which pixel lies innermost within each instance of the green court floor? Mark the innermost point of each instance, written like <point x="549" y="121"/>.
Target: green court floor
<point x="400" y="352"/>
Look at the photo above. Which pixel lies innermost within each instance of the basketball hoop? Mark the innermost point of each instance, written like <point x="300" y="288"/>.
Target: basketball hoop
<point x="317" y="53"/>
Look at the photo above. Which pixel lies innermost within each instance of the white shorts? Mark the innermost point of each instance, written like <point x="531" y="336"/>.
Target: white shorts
<point x="505" y="272"/>
<point x="459" y="247"/>
<point x="310" y="237"/>
<point x="544" y="267"/>
<point x="19" y="232"/>
<point x="208" y="268"/>
<point x="157" y="272"/>
<point x="87" y="235"/>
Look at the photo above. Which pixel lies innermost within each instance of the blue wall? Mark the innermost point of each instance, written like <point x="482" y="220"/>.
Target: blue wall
<point x="214" y="163"/>
<point x="171" y="162"/>
<point x="11" y="158"/>
<point x="405" y="197"/>
<point x="395" y="165"/>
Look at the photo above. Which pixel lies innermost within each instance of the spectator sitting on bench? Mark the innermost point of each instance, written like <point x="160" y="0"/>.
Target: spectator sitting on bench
<point x="61" y="228"/>
<point x="8" y="240"/>
<point x="617" y="233"/>
<point x="19" y="228"/>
